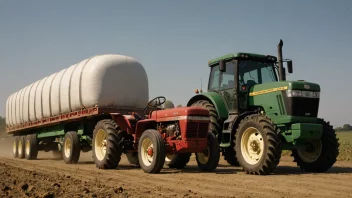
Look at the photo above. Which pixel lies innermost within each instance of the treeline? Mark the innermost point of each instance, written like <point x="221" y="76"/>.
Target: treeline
<point x="2" y="126"/>
<point x="344" y="128"/>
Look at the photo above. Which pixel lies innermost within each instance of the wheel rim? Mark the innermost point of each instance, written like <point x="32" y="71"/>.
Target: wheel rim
<point x="14" y="146"/>
<point x="27" y="147"/>
<point x="252" y="145"/>
<point x="100" y="144"/>
<point x="203" y="157"/>
<point x="147" y="152"/>
<point x="311" y="151"/>
<point x="67" y="147"/>
<point x="20" y="147"/>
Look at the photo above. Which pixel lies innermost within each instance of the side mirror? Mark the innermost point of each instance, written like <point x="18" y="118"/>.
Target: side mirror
<point x="289" y="66"/>
<point x="222" y="66"/>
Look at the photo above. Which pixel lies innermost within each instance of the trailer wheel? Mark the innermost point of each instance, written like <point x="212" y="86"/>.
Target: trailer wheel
<point x="21" y="147"/>
<point x="15" y="146"/>
<point x="319" y="155"/>
<point x="178" y="161"/>
<point x="258" y="145"/>
<point x="151" y="151"/>
<point x="208" y="160"/>
<point x="71" y="148"/>
<point x="105" y="145"/>
<point x="31" y="147"/>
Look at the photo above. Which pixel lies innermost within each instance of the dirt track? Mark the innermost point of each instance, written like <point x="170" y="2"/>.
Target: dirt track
<point x="48" y="177"/>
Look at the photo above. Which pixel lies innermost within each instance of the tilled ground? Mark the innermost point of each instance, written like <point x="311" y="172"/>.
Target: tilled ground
<point x="49" y="177"/>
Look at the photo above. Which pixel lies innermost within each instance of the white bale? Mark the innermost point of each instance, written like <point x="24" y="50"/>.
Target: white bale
<point x="106" y="81"/>
<point x="55" y="93"/>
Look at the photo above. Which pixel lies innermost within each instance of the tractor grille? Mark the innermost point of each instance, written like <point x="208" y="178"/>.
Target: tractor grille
<point x="296" y="106"/>
<point x="197" y="130"/>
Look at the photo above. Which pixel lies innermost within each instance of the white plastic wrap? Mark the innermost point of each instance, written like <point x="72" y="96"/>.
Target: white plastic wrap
<point x="106" y="81"/>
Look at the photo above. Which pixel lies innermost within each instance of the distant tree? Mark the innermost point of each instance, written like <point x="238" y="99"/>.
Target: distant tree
<point x="347" y="127"/>
<point x="179" y="105"/>
<point x="2" y="126"/>
<point x="168" y="105"/>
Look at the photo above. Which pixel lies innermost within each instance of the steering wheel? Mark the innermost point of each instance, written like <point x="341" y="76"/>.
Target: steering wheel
<point x="153" y="104"/>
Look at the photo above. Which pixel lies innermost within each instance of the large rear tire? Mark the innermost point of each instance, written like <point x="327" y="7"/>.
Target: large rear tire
<point x="31" y="147"/>
<point x="319" y="155"/>
<point x="258" y="145"/>
<point x="105" y="145"/>
<point x="229" y="153"/>
<point x="178" y="161"/>
<point x="209" y="159"/>
<point x="151" y="151"/>
<point x="71" y="148"/>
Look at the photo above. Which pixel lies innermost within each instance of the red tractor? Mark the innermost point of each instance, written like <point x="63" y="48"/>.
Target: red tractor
<point x="160" y="137"/>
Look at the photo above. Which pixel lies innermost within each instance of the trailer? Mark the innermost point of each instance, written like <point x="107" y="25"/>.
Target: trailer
<point x="101" y="105"/>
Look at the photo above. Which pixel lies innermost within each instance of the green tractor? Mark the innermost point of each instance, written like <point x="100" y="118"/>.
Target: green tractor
<point x="255" y="114"/>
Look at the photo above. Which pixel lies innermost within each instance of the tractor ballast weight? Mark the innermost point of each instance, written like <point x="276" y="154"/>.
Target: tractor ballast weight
<point x="256" y="113"/>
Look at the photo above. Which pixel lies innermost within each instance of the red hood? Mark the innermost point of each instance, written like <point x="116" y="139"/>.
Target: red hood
<point x="181" y="111"/>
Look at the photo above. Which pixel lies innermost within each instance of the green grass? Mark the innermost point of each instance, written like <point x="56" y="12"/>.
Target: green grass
<point x="345" y="140"/>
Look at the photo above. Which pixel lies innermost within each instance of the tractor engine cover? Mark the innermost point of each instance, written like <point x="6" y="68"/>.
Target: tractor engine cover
<point x="193" y="125"/>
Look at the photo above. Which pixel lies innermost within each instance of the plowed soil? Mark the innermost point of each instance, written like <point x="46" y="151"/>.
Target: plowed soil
<point x="50" y="177"/>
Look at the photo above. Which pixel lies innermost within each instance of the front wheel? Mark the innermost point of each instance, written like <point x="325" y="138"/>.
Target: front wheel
<point x="133" y="158"/>
<point x="318" y="155"/>
<point x="208" y="160"/>
<point x="151" y="151"/>
<point x="258" y="145"/>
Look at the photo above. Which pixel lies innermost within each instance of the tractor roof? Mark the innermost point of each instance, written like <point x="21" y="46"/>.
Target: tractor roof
<point x="242" y="55"/>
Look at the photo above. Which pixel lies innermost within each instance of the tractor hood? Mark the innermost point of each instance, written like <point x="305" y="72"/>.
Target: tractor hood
<point x="181" y="111"/>
<point x="283" y="85"/>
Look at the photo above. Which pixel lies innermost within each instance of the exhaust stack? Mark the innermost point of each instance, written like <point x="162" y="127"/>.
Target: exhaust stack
<point x="282" y="73"/>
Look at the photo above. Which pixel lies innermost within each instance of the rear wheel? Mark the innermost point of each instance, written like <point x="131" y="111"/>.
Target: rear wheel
<point x="106" y="150"/>
<point x="15" y="146"/>
<point x="318" y="155"/>
<point x="151" y="151"/>
<point x="31" y="147"/>
<point x="71" y="148"/>
<point x="21" y="147"/>
<point x="178" y="161"/>
<point x="258" y="146"/>
<point x="208" y="160"/>
<point x="229" y="153"/>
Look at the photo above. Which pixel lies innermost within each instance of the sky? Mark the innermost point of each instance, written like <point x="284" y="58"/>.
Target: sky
<point x="174" y="40"/>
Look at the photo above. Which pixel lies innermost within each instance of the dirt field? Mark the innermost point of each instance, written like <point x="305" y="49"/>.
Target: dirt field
<point x="49" y="177"/>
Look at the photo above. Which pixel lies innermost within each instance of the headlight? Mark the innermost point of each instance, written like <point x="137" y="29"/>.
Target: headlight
<point x="304" y="94"/>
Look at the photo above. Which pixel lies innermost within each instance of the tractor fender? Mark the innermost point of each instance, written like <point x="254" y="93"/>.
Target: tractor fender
<point x="239" y="118"/>
<point x="122" y="121"/>
<point x="215" y="99"/>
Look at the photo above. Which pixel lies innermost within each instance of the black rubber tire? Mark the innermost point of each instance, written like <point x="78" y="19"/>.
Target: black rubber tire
<point x="133" y="158"/>
<point x="158" y="151"/>
<point x="329" y="153"/>
<point x="31" y="150"/>
<point x="15" y="144"/>
<point x="229" y="153"/>
<point x="180" y="161"/>
<point x="113" y="150"/>
<point x="21" y="147"/>
<point x="75" y="148"/>
<point x="213" y="155"/>
<point x="272" y="144"/>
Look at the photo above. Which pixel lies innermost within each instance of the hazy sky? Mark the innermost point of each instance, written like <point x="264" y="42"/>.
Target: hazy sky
<point x="175" y="39"/>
